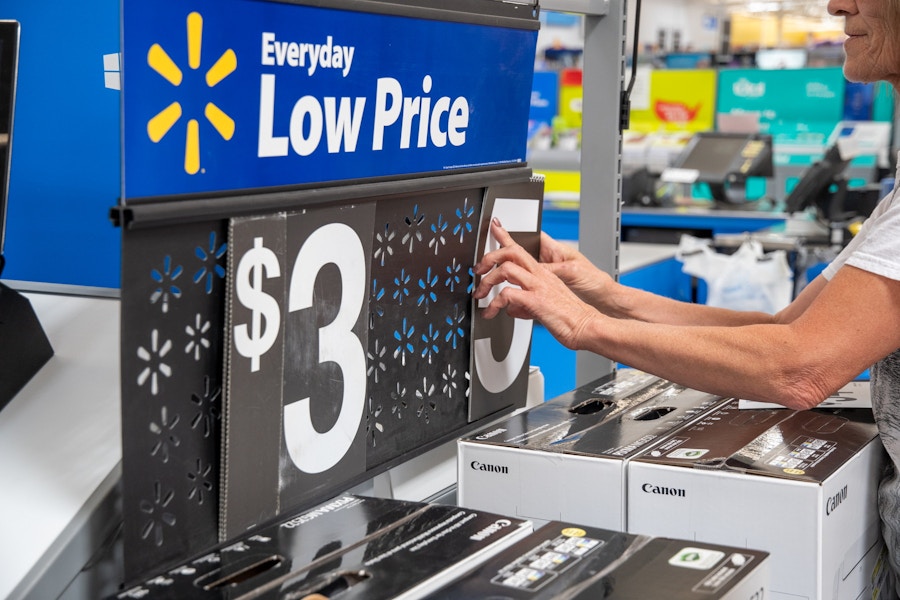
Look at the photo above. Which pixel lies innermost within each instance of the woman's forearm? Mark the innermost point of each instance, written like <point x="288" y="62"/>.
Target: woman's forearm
<point x="760" y="362"/>
<point x="625" y="302"/>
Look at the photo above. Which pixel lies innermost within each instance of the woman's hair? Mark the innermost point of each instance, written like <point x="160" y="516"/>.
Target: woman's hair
<point x="892" y="17"/>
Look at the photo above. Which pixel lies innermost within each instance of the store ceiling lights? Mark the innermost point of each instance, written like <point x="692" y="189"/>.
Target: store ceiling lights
<point x="764" y="7"/>
<point x="805" y="8"/>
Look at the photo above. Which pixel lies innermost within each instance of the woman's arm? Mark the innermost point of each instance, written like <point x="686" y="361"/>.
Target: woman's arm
<point x="851" y="324"/>
<point x="832" y="332"/>
<point x="598" y="289"/>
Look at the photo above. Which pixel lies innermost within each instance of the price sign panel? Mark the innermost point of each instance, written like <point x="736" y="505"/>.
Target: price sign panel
<point x="254" y="365"/>
<point x="351" y="340"/>
<point x="295" y="398"/>
<point x="323" y="415"/>
<point x="420" y="320"/>
<point x="502" y="345"/>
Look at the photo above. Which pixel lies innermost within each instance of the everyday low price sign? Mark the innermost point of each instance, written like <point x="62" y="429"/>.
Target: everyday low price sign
<point x="270" y="358"/>
<point x="241" y="94"/>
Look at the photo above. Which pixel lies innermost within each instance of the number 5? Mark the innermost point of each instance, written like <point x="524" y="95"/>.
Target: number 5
<point x="496" y="376"/>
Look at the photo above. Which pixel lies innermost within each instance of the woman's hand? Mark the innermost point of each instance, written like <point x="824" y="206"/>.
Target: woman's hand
<point x="581" y="276"/>
<point x="540" y="294"/>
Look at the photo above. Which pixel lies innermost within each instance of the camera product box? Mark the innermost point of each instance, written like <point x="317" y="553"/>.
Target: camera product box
<point x="800" y="485"/>
<point x="562" y="560"/>
<point x="564" y="459"/>
<point x="351" y="547"/>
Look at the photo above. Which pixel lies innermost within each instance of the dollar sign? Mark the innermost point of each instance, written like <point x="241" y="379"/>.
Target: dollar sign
<point x="249" y="279"/>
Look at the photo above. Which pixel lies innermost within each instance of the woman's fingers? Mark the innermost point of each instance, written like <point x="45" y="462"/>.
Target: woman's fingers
<point x="492" y="259"/>
<point x="508" y="271"/>
<point x="511" y="263"/>
<point x="509" y="251"/>
<point x="513" y="300"/>
<point x="493" y="309"/>
<point x="500" y="234"/>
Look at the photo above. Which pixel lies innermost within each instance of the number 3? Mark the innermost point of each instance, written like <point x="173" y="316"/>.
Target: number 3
<point x="337" y="243"/>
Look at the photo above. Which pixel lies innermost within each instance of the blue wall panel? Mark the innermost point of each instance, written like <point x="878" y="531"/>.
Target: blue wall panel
<point x="65" y="154"/>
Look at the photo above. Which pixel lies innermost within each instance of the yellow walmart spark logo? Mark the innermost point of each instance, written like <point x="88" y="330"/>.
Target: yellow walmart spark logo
<point x="160" y="124"/>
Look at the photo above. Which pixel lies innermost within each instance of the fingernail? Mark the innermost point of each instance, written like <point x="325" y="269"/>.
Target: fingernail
<point x="496" y="222"/>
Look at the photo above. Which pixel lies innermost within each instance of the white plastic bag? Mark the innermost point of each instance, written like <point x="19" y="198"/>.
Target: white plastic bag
<point x="748" y="279"/>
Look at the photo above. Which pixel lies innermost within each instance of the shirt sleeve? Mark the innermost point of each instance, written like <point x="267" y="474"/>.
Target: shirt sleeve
<point x="876" y="248"/>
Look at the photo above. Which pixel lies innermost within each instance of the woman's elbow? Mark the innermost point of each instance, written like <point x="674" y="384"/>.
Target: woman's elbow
<point x="804" y="402"/>
<point x="803" y="392"/>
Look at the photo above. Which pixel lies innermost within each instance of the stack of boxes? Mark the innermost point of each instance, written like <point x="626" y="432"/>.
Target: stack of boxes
<point x="358" y="548"/>
<point x="800" y="485"/>
<point x="565" y="459"/>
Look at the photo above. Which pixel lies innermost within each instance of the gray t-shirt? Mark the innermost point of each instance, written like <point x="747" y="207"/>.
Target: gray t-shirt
<point x="876" y="248"/>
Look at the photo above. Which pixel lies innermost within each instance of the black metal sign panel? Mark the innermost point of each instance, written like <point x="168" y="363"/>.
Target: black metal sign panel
<point x="344" y="341"/>
<point x="420" y="315"/>
<point x="172" y="312"/>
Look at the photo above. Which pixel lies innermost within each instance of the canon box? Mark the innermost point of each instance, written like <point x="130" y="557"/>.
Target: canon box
<point x="564" y="459"/>
<point x="590" y="563"/>
<point x="356" y="546"/>
<point x="800" y="485"/>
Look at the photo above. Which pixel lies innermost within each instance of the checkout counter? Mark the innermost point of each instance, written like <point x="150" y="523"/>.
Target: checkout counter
<point x="61" y="442"/>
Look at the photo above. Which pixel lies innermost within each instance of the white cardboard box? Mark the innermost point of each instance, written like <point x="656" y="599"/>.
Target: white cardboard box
<point x="564" y="459"/>
<point x="800" y="485"/>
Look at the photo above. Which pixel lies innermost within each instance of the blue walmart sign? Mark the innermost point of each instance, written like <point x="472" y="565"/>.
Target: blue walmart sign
<point x="240" y="94"/>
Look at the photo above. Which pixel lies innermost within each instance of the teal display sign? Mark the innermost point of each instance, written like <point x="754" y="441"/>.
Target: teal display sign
<point x="789" y="101"/>
<point x="224" y="95"/>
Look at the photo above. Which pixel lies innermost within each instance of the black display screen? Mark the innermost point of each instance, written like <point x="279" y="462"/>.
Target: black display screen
<point x="720" y="156"/>
<point x="9" y="55"/>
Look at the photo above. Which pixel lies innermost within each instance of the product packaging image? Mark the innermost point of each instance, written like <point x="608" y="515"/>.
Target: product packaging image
<point x="565" y="459"/>
<point x="563" y="560"/>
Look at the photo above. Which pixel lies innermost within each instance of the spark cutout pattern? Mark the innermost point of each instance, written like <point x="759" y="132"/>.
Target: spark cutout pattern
<point x="212" y="258"/>
<point x="157" y="514"/>
<point x="166" y="280"/>
<point x="154" y="359"/>
<point x="172" y="312"/>
<point x="418" y="320"/>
